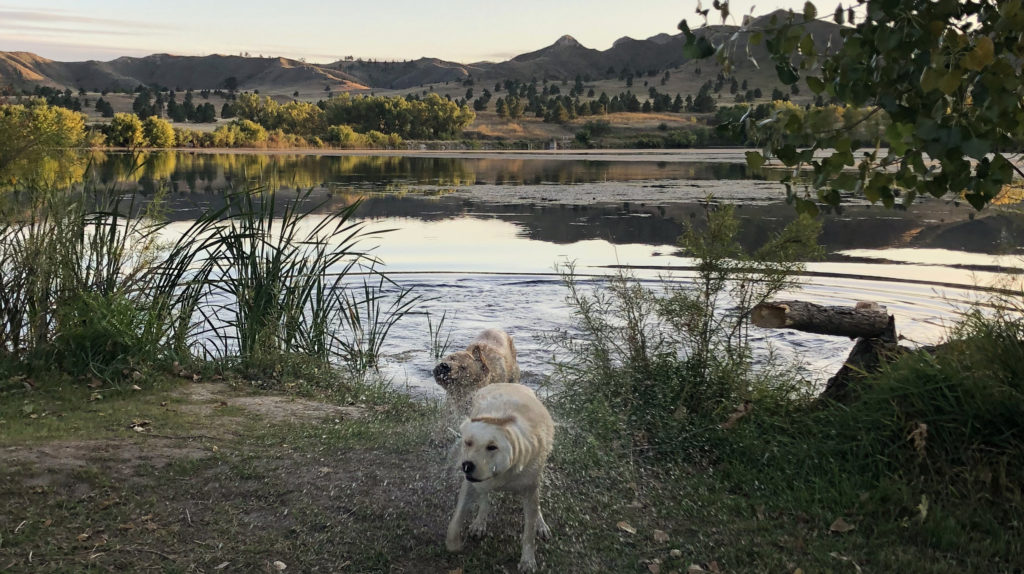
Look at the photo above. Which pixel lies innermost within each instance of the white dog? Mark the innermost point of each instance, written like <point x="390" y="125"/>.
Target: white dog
<point x="505" y="443"/>
<point x="490" y="358"/>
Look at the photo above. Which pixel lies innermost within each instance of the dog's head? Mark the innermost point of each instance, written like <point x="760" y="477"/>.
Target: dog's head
<point x="461" y="368"/>
<point x="487" y="447"/>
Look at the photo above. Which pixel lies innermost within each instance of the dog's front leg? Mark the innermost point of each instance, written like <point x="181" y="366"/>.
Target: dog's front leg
<point x="531" y="513"/>
<point x="467" y="494"/>
<point x="478" y="527"/>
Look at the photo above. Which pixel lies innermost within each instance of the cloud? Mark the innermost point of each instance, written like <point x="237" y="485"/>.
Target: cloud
<point x="24" y="28"/>
<point x="18" y="18"/>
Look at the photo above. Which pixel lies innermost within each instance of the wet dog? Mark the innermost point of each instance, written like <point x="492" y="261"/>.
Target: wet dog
<point x="505" y="444"/>
<point x="490" y="358"/>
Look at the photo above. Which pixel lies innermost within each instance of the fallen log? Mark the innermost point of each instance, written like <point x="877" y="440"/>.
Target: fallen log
<point x="869" y="323"/>
<point x="863" y="320"/>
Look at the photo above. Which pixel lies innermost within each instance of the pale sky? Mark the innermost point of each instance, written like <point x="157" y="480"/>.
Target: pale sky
<point x="325" y="31"/>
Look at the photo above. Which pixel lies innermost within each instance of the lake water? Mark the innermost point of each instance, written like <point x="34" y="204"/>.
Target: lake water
<point x="479" y="235"/>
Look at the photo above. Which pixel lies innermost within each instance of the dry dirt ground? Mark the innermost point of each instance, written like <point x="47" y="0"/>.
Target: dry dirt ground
<point x="253" y="483"/>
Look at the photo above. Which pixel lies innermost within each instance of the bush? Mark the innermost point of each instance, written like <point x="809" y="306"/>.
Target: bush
<point x="644" y="366"/>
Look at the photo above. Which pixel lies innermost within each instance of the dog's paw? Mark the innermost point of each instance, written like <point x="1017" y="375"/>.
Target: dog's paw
<point x="528" y="564"/>
<point x="477" y="529"/>
<point x="543" y="532"/>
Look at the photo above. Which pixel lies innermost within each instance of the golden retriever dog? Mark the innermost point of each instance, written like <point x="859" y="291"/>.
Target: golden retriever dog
<point x="505" y="444"/>
<point x="490" y="358"/>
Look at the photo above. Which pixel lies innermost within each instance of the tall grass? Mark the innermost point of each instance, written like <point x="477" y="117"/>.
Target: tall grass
<point x="97" y="285"/>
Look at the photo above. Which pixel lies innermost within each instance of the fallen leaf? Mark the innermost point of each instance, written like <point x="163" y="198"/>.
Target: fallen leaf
<point x="279" y="566"/>
<point x="47" y="523"/>
<point x="660" y="536"/>
<point x="798" y="571"/>
<point x="694" y="569"/>
<point x="713" y="567"/>
<point x="841" y="526"/>
<point x="128" y="526"/>
<point x="195" y="379"/>
<point x="136" y="388"/>
<point x="456" y="571"/>
<point x="108" y="502"/>
<point x="625" y="527"/>
<point x="95" y="383"/>
<point x="214" y="448"/>
<point x="221" y="566"/>
<point x="163" y="403"/>
<point x="654" y="567"/>
<point x="676" y="553"/>
<point x="84" y="536"/>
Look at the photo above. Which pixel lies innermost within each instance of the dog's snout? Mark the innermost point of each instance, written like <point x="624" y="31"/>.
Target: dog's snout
<point x="442" y="369"/>
<point x="468" y="467"/>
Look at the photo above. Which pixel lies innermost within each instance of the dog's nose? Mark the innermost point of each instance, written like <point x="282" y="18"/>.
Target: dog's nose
<point x="442" y="369"/>
<point x="468" y="467"/>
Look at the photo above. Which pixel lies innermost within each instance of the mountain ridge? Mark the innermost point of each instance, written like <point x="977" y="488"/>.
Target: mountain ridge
<point x="564" y="59"/>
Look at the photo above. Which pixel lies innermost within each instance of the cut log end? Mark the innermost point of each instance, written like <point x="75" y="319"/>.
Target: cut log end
<point x="770" y="315"/>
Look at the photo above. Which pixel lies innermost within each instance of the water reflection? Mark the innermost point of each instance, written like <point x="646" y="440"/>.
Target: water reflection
<point x="625" y="199"/>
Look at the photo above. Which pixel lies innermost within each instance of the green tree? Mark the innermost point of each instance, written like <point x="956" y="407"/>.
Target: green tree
<point x="31" y="132"/>
<point x="125" y="130"/>
<point x="157" y="132"/>
<point x="946" y="75"/>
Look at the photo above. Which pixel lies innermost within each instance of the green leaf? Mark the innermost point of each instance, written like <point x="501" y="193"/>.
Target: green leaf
<point x="977" y="148"/>
<point x="684" y="28"/>
<point x="949" y="83"/>
<point x="807" y="45"/>
<point x="697" y="48"/>
<point x="787" y="73"/>
<point x="930" y="79"/>
<point x="982" y="55"/>
<point x="810" y="12"/>
<point x="845" y="182"/>
<point x="806" y="207"/>
<point x="815" y="84"/>
<point x="838" y="16"/>
<point x="754" y="160"/>
<point x="787" y="154"/>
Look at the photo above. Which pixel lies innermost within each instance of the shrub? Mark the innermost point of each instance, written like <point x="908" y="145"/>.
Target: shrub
<point x="643" y="366"/>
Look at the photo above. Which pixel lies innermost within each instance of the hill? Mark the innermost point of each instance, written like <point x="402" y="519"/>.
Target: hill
<point x="564" y="59"/>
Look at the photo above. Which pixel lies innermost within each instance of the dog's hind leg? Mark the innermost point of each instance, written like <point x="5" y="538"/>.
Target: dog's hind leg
<point x="467" y="495"/>
<point x="531" y="515"/>
<point x="478" y="527"/>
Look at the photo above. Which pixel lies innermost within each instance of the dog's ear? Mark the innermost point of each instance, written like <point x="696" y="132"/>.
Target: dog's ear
<point x="478" y="355"/>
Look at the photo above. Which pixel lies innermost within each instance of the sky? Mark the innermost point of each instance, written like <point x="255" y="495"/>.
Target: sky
<point x="328" y="30"/>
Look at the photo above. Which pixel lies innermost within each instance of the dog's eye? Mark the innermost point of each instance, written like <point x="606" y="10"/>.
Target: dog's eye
<point x="492" y="447"/>
<point x="469" y="443"/>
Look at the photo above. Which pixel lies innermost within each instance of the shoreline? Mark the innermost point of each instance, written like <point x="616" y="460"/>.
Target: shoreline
<point x="718" y="155"/>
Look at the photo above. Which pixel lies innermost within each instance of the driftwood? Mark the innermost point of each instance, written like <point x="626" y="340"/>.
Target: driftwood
<point x="869" y="323"/>
<point x="864" y="320"/>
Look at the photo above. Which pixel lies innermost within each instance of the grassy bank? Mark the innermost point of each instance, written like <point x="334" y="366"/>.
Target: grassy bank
<point x="219" y="472"/>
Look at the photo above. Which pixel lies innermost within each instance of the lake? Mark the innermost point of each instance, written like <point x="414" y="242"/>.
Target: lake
<point x="479" y="234"/>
